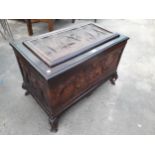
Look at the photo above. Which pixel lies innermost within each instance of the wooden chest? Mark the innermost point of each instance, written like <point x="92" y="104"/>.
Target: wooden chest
<point x="61" y="67"/>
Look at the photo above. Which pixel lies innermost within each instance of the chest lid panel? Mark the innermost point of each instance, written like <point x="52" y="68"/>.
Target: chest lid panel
<point x="56" y="48"/>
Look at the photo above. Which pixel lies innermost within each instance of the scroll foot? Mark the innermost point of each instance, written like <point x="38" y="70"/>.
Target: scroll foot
<point x="54" y="124"/>
<point x="114" y="78"/>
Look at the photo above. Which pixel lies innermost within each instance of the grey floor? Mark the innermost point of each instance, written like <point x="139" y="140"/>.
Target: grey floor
<point x="127" y="108"/>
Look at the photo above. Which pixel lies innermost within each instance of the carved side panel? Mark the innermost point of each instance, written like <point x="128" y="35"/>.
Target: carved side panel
<point x="33" y="82"/>
<point x="76" y="81"/>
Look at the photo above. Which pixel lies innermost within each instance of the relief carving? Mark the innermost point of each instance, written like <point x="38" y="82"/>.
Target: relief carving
<point x="84" y="77"/>
<point x="32" y="81"/>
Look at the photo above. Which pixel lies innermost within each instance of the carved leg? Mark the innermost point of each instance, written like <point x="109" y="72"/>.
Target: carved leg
<point x="114" y="78"/>
<point x="24" y="87"/>
<point x="54" y="124"/>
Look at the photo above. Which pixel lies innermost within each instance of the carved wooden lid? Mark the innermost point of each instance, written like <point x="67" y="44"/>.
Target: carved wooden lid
<point x="57" y="47"/>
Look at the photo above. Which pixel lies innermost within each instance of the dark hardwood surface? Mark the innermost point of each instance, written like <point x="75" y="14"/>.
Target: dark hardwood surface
<point x="55" y="49"/>
<point x="42" y="68"/>
<point x="58" y="87"/>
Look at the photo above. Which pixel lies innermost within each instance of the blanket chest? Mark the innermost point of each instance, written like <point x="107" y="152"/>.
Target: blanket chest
<point x="61" y="67"/>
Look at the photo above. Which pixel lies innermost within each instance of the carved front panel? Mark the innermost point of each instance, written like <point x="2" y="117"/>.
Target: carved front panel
<point x="73" y="83"/>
